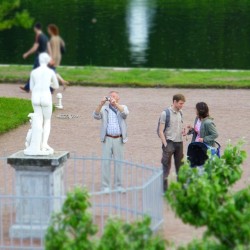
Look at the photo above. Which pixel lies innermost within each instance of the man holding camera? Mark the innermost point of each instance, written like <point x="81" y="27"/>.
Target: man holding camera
<point x="113" y="137"/>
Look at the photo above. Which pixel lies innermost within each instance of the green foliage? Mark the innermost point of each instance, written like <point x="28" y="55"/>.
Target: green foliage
<point x="133" y="236"/>
<point x="231" y="224"/>
<point x="9" y="16"/>
<point x="203" y="244"/>
<point x="14" y="112"/>
<point x="207" y="200"/>
<point x="73" y="229"/>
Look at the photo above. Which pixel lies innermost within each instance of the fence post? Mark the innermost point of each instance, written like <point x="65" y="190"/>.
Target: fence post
<point x="39" y="180"/>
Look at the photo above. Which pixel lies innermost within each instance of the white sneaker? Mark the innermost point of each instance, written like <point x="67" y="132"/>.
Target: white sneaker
<point x="106" y="190"/>
<point x="121" y="190"/>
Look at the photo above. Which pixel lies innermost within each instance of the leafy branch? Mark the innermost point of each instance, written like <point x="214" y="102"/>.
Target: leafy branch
<point x="10" y="16"/>
<point x="208" y="200"/>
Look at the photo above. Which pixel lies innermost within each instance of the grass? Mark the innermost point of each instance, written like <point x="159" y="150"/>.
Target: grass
<point x="13" y="113"/>
<point x="138" y="77"/>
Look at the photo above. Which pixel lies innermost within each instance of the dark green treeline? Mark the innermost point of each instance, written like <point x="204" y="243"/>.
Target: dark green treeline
<point x="181" y="33"/>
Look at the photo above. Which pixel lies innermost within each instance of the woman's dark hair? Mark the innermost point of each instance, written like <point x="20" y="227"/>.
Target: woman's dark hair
<point x="54" y="29"/>
<point x="202" y="110"/>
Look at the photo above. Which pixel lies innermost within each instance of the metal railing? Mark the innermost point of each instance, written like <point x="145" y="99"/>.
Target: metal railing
<point x="143" y="196"/>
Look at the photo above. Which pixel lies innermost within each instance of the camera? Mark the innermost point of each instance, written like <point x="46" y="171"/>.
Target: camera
<point x="107" y="98"/>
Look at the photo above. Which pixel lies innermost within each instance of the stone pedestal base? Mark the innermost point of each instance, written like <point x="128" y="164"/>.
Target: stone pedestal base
<point x="39" y="191"/>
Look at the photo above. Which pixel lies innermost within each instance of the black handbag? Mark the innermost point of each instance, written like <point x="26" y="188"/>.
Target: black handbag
<point x="62" y="48"/>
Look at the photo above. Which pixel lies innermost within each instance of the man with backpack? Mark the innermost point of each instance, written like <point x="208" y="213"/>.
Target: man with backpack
<point x="170" y="131"/>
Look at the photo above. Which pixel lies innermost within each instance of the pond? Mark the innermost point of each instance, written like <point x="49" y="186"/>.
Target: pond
<point x="141" y="33"/>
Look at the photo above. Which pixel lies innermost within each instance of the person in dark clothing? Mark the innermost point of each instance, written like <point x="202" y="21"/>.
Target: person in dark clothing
<point x="40" y="45"/>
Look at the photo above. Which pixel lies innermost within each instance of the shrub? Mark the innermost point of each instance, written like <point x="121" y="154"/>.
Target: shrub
<point x="130" y="236"/>
<point x="208" y="200"/>
<point x="73" y="229"/>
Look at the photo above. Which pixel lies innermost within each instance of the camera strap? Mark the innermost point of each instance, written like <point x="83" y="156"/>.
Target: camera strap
<point x="113" y="109"/>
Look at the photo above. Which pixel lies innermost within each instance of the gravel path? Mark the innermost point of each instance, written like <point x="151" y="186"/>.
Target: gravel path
<point x="230" y="109"/>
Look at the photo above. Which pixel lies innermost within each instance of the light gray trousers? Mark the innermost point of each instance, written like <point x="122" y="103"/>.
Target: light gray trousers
<point x="112" y="147"/>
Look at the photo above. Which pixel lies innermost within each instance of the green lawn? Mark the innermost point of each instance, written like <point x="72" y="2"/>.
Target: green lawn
<point x="138" y="77"/>
<point x="13" y="113"/>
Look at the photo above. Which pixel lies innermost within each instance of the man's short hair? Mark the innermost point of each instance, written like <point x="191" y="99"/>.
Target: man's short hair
<point x="179" y="97"/>
<point x="113" y="91"/>
<point x="38" y="26"/>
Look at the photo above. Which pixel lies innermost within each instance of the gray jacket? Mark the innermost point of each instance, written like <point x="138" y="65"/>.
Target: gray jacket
<point x="103" y="115"/>
<point x="207" y="131"/>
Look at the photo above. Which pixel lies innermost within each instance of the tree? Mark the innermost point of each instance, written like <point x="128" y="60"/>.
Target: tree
<point x="73" y="229"/>
<point x="208" y="200"/>
<point x="10" y="16"/>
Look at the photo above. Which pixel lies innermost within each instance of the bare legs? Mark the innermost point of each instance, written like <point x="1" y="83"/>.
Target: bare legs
<point x="62" y="81"/>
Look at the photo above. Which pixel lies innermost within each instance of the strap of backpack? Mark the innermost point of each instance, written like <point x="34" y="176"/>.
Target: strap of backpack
<point x="167" y="111"/>
<point x="218" y="144"/>
<point x="167" y="123"/>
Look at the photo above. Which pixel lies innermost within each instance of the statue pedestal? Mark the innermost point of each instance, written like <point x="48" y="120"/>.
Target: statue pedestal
<point x="39" y="190"/>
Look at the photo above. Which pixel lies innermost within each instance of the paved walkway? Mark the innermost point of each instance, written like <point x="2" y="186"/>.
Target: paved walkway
<point x="230" y="108"/>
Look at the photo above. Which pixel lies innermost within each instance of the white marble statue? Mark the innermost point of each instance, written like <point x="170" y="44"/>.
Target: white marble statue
<point x="41" y="79"/>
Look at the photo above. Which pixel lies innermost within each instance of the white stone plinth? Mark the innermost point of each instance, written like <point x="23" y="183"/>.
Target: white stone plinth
<point x="39" y="188"/>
